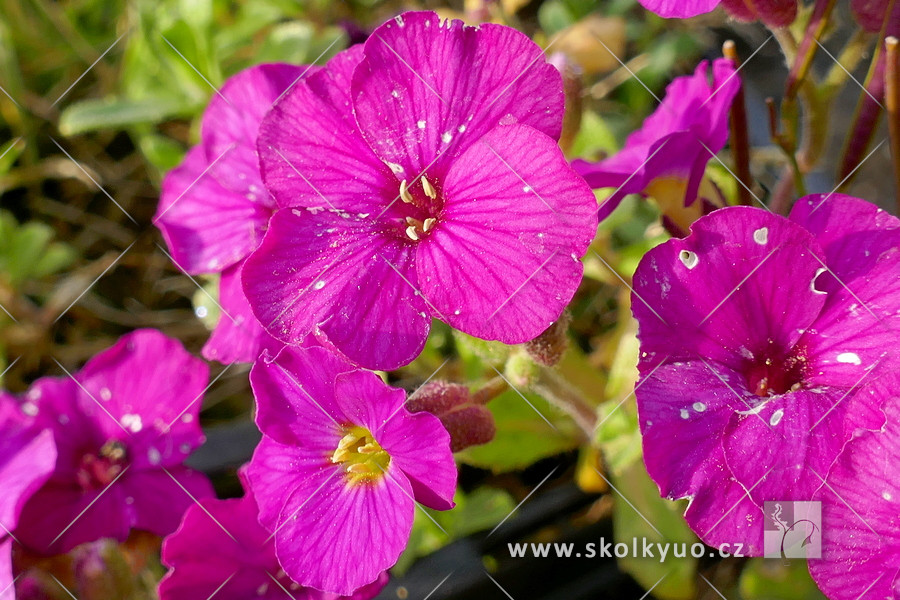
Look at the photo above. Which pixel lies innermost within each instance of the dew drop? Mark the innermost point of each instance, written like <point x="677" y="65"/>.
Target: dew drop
<point x="30" y="409"/>
<point x="395" y="94"/>
<point x="689" y="259"/>
<point x="132" y="422"/>
<point x="776" y="417"/>
<point x="420" y="124"/>
<point x="812" y="284"/>
<point x="887" y="495"/>
<point x="105" y="394"/>
<point x="699" y="406"/>
<point x="685" y="414"/>
<point x="850" y="358"/>
<point x="319" y="284"/>
<point x="201" y="312"/>
<point x="153" y="456"/>
<point x="446" y="137"/>
<point x="461" y="129"/>
<point x="761" y="236"/>
<point x="399" y="20"/>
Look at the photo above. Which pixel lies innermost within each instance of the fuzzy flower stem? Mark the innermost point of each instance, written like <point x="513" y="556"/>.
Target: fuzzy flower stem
<point x="552" y="386"/>
<point x="892" y="104"/>
<point x="490" y="390"/>
<point x="740" y="141"/>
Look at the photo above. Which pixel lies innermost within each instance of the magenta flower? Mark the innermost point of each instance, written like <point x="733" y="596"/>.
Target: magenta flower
<point x="123" y="425"/>
<point x="860" y="537"/>
<point x="339" y="466"/>
<point x="418" y="177"/>
<point x="763" y="339"/>
<point x="221" y="550"/>
<point x="214" y="209"/>
<point x="668" y="154"/>
<point x="774" y="13"/>
<point x="27" y="458"/>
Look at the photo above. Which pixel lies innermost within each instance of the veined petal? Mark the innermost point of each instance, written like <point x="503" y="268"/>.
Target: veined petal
<point x="344" y="275"/>
<point x="504" y="258"/>
<point x="238" y="336"/>
<point x="428" y="89"/>
<point x="737" y="289"/>
<point x="680" y="9"/>
<point x="311" y="151"/>
<point x="158" y="498"/>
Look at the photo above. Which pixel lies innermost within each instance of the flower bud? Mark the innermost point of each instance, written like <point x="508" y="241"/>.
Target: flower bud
<point x="774" y="13"/>
<point x="548" y="348"/>
<point x="468" y="423"/>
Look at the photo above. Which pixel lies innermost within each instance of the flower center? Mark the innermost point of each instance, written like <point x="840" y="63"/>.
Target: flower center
<point x="423" y="200"/>
<point x="771" y="377"/>
<point x="97" y="471"/>
<point x="362" y="458"/>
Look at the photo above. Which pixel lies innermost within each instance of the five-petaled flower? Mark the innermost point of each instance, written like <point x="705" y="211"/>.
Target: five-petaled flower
<point x="214" y="208"/>
<point x="122" y="425"/>
<point x="418" y="176"/>
<point x="763" y="344"/>
<point x="666" y="158"/>
<point x="340" y="467"/>
<point x="221" y="550"/>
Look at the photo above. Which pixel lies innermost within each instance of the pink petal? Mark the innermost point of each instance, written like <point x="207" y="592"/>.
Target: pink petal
<point x="26" y="461"/>
<point x="427" y="89"/>
<point x="344" y="275"/>
<point x="860" y="541"/>
<point x="208" y="222"/>
<point x="159" y="498"/>
<point x="503" y="260"/>
<point x="129" y="386"/>
<point x="238" y="336"/>
<point x="312" y="121"/>
<point x="295" y="395"/>
<point x="728" y="302"/>
<point x="61" y="516"/>
<point x="683" y="447"/>
<point x="680" y="9"/>
<point x="7" y="589"/>
<point x="344" y="537"/>
<point x="236" y="110"/>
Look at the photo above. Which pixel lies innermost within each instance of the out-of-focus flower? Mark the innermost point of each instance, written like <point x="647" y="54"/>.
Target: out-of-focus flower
<point x="861" y="516"/>
<point x="666" y="158"/>
<point x="418" y="176"/>
<point x="763" y="342"/>
<point x="774" y="13"/>
<point x="27" y="458"/>
<point x="221" y="550"/>
<point x="123" y="425"/>
<point x="214" y="208"/>
<point x="339" y="467"/>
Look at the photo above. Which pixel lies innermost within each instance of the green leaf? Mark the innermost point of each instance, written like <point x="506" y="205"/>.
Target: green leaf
<point x="287" y="42"/>
<point x="554" y="16"/>
<point x="164" y="153"/>
<point x="27" y="251"/>
<point x="116" y="113"/>
<point x="523" y="437"/>
<point x="767" y="579"/>
<point x="594" y="137"/>
<point x="674" y="577"/>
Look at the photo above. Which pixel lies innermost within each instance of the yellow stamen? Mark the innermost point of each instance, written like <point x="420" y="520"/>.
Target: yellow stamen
<point x="411" y="232"/>
<point x="428" y="224"/>
<point x="404" y="193"/>
<point x="361" y="457"/>
<point x="429" y="189"/>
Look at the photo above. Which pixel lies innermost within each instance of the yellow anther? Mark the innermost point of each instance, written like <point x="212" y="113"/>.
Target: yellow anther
<point x="428" y="224"/>
<point x="429" y="189"/>
<point x="404" y="193"/>
<point x="369" y="448"/>
<point x="359" y="469"/>
<point x="411" y="232"/>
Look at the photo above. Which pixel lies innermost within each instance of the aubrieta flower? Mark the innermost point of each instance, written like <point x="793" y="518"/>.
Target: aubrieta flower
<point x="214" y="208"/>
<point x="666" y="158"/>
<point x="418" y="176"/>
<point x="774" y="13"/>
<point x="340" y="467"/>
<point x="763" y="341"/>
<point x="123" y="425"/>
<point x="221" y="550"/>
<point x="861" y="517"/>
<point x="27" y="458"/>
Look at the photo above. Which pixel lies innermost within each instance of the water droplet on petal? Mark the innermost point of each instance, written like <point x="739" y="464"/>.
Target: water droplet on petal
<point x="685" y="414"/>
<point x="850" y="358"/>
<point x="689" y="259"/>
<point x="761" y="236"/>
<point x="699" y="406"/>
<point x="776" y="417"/>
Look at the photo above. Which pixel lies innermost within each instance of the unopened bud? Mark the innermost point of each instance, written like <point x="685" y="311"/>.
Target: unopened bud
<point x="468" y="423"/>
<point x="774" y="13"/>
<point x="549" y="347"/>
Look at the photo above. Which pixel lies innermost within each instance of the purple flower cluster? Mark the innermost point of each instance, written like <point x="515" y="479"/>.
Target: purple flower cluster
<point x="99" y="453"/>
<point x="414" y="177"/>
<point x="767" y="359"/>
